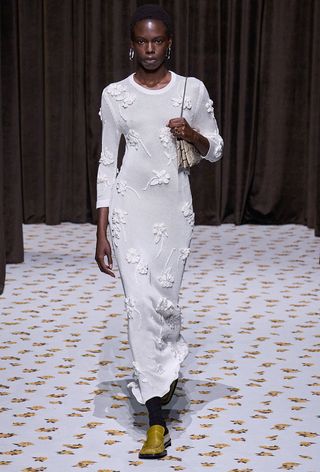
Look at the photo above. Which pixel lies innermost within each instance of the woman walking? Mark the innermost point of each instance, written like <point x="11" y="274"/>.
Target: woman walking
<point x="148" y="206"/>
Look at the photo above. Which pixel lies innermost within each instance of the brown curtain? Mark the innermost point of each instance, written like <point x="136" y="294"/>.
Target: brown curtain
<point x="11" y="198"/>
<point x="258" y="58"/>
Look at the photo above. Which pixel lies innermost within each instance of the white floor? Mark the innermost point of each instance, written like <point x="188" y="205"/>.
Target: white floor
<point x="248" y="396"/>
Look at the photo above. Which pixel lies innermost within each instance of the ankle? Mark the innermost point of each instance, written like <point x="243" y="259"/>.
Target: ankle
<point x="166" y="431"/>
<point x="153" y="421"/>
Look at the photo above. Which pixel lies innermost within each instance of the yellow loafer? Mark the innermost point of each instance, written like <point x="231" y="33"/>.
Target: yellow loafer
<point x="154" y="446"/>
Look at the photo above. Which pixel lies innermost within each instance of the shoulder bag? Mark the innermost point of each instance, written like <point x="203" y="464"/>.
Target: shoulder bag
<point x="187" y="154"/>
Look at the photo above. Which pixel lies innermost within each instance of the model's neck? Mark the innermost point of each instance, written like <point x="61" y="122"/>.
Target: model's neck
<point x="152" y="78"/>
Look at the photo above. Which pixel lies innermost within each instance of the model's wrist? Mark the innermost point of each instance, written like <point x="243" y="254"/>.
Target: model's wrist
<point x="194" y="137"/>
<point x="101" y="232"/>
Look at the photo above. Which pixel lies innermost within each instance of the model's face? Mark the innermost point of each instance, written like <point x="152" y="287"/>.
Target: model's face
<point x="150" y="43"/>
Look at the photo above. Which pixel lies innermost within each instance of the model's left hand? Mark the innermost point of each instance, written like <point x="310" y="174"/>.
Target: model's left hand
<point x="180" y="128"/>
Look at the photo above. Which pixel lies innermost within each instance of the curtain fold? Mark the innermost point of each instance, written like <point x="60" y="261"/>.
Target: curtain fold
<point x="11" y="237"/>
<point x="259" y="60"/>
<point x="282" y="180"/>
<point x="2" y="238"/>
<point x="313" y="171"/>
<point x="233" y="78"/>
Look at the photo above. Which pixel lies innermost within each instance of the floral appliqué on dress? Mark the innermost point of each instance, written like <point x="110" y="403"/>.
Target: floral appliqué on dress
<point x="131" y="309"/>
<point x="184" y="253"/>
<point x="210" y="108"/>
<point x="106" y="157"/>
<point x="133" y="256"/>
<point x="103" y="179"/>
<point x="134" y="140"/>
<point x="177" y="102"/>
<point x="122" y="187"/>
<point x="120" y="93"/>
<point x="169" y="144"/>
<point x="166" y="278"/>
<point x="160" y="177"/>
<point x="160" y="232"/>
<point x="171" y="315"/>
<point x="118" y="219"/>
<point x="188" y="213"/>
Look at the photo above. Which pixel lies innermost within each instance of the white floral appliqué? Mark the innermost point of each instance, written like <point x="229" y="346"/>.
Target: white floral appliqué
<point x="165" y="307"/>
<point x="184" y="253"/>
<point x="160" y="232"/>
<point x="128" y="100"/>
<point x="210" y="108"/>
<point x="116" y="90"/>
<point x="171" y="315"/>
<point x="166" y="278"/>
<point x="134" y="140"/>
<point x="118" y="219"/>
<point x="166" y="136"/>
<point x="169" y="144"/>
<point x="131" y="309"/>
<point x="107" y="157"/>
<point x="133" y="256"/>
<point x="120" y="94"/>
<point x="177" y="102"/>
<point x="122" y="187"/>
<point x="160" y="177"/>
<point x="142" y="268"/>
<point x="187" y="212"/>
<point x="103" y="179"/>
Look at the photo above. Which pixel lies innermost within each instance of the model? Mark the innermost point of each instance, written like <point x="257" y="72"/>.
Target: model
<point x="148" y="206"/>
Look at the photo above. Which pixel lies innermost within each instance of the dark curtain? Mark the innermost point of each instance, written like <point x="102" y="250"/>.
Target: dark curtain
<point x="11" y="198"/>
<point x="258" y="58"/>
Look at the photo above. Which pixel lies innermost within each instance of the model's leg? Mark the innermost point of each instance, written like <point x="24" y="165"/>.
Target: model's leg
<point x="157" y="435"/>
<point x="155" y="412"/>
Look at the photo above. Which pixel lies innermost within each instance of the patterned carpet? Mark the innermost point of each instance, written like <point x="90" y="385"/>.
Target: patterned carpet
<point x="248" y="396"/>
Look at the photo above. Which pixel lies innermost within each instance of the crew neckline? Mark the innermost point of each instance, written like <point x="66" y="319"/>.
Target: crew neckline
<point x="153" y="91"/>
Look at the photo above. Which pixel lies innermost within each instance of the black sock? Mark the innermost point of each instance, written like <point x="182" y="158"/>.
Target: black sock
<point x="155" y="412"/>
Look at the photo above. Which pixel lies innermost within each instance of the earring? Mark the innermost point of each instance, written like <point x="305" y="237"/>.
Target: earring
<point x="168" y="53"/>
<point x="131" y="54"/>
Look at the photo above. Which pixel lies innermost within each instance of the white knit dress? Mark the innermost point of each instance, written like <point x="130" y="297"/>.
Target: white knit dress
<point x="151" y="216"/>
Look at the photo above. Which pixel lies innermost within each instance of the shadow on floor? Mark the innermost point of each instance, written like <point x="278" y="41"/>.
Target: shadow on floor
<point x="114" y="400"/>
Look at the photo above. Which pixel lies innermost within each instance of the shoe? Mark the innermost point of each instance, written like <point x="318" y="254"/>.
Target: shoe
<point x="167" y="397"/>
<point x="155" y="445"/>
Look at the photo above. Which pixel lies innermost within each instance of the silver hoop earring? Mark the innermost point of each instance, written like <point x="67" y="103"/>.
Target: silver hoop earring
<point x="131" y="54"/>
<point x="168" y="53"/>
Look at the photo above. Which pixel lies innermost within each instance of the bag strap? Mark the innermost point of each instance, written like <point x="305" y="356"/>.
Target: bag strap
<point x="184" y="94"/>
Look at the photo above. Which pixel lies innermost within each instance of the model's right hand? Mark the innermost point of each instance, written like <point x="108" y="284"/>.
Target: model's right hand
<point x="103" y="248"/>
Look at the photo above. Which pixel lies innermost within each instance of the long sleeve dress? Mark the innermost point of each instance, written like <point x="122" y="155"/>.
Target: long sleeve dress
<point x="151" y="216"/>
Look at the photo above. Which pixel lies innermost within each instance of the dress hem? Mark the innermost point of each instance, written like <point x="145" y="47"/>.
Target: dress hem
<point x="136" y="389"/>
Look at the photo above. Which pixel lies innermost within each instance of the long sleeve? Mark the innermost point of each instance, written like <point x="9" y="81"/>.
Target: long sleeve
<point x="107" y="169"/>
<point x="205" y="122"/>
